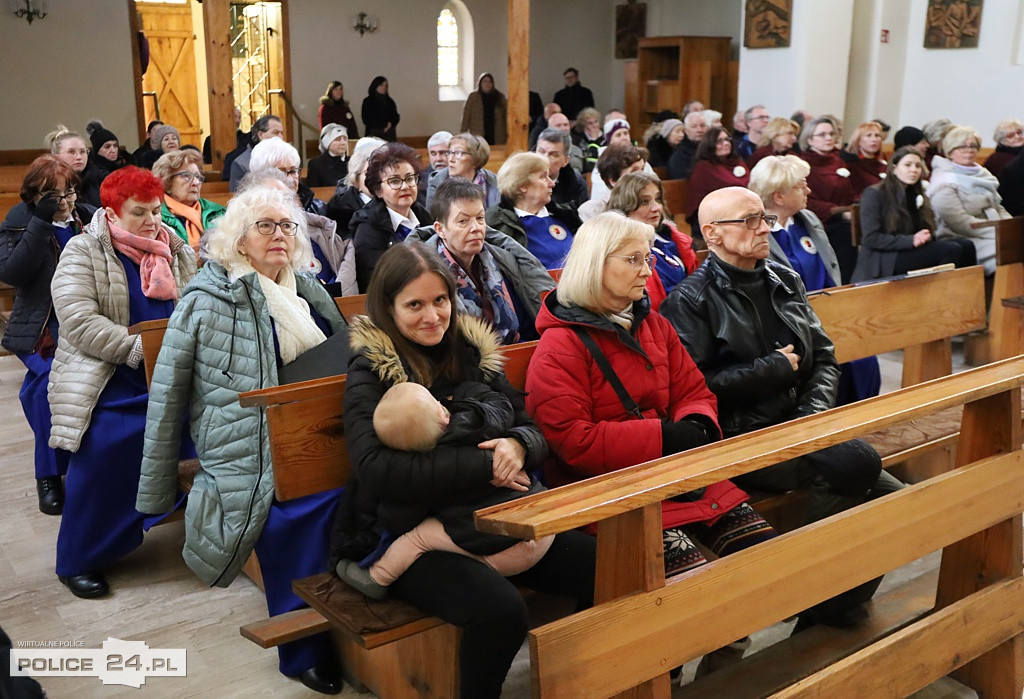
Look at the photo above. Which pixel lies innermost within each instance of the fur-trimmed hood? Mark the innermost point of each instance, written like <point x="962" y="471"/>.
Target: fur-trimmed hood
<point x="373" y="343"/>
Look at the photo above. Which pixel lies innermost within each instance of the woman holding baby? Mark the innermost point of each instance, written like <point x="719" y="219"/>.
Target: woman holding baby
<point x="415" y="333"/>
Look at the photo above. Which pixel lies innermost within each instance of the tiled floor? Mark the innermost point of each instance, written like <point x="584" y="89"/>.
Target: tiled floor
<point x="156" y="599"/>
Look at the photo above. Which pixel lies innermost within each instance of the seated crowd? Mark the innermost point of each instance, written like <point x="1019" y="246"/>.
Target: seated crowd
<point x="643" y="351"/>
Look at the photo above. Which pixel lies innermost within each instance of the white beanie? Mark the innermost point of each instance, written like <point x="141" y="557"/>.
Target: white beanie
<point x="329" y="133"/>
<point x="668" y="125"/>
<point x="613" y="126"/>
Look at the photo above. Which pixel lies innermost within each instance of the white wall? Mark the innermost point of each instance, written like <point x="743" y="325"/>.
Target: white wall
<point x="977" y="87"/>
<point x="70" y="67"/>
<point x="811" y="73"/>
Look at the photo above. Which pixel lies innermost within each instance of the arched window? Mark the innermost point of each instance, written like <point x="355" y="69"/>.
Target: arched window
<point x="447" y="49"/>
<point x="454" y="52"/>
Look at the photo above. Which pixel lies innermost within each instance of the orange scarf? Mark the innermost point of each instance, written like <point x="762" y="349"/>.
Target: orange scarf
<point x="153" y="256"/>
<point x="193" y="216"/>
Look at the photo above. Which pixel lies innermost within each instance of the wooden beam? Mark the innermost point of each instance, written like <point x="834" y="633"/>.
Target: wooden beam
<point x="217" y="20"/>
<point x="140" y="112"/>
<point x="518" y="120"/>
<point x="916" y="656"/>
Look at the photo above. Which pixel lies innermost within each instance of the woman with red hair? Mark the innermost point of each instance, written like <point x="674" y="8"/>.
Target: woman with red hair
<point x="126" y="267"/>
<point x="31" y="240"/>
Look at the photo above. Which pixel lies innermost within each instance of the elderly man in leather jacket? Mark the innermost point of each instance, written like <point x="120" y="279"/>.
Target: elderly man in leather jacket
<point x="747" y="324"/>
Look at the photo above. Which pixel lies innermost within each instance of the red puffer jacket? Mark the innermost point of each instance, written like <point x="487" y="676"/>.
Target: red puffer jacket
<point x="582" y="418"/>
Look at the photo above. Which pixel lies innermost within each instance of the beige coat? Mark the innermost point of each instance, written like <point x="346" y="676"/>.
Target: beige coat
<point x="90" y="296"/>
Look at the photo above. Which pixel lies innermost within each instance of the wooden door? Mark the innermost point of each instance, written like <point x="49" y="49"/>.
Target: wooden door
<point x="172" y="68"/>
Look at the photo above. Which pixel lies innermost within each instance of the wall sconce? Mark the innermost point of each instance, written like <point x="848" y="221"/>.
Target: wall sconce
<point x="364" y="23"/>
<point x="30" y="13"/>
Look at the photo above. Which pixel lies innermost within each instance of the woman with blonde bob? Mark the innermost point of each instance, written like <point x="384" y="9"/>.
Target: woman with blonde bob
<point x="963" y="192"/>
<point x="184" y="211"/>
<point x="778" y="138"/>
<point x="526" y="213"/>
<point x="467" y="155"/>
<point x="600" y="306"/>
<point x="863" y="156"/>
<point x="248" y="312"/>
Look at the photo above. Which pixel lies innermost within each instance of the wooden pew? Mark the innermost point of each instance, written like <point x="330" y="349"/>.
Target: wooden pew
<point x="1005" y="336"/>
<point x="855" y="224"/>
<point x="388" y="646"/>
<point x="308" y="447"/>
<point x="8" y="202"/>
<point x="642" y="625"/>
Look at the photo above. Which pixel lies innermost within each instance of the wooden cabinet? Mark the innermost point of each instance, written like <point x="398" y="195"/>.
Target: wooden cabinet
<point x="671" y="70"/>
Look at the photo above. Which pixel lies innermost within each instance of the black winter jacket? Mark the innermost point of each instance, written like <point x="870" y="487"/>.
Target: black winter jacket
<point x="28" y="258"/>
<point x="372" y="234"/>
<point x="755" y="385"/>
<point x="393" y="491"/>
<point x="345" y="202"/>
<point x="326" y="170"/>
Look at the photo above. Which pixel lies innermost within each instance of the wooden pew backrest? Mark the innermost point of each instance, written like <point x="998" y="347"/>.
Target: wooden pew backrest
<point x="882" y="317"/>
<point x="351" y="306"/>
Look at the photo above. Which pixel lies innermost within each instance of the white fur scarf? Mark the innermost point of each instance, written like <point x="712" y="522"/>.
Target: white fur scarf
<point x="296" y="330"/>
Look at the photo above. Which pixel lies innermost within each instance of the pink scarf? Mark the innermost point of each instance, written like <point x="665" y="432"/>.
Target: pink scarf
<point x="153" y="256"/>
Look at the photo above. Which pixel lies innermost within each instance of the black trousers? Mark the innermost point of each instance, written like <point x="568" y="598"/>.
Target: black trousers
<point x="960" y="251"/>
<point x="489" y="609"/>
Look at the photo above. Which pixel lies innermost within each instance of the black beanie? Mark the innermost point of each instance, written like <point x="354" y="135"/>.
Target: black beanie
<point x="99" y="136"/>
<point x="907" y="136"/>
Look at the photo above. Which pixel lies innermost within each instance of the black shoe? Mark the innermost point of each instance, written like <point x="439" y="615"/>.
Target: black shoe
<point x="51" y="495"/>
<point x="323" y="679"/>
<point x="86" y="586"/>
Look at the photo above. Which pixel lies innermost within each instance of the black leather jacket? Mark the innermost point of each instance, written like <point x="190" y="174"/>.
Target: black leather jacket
<point x="755" y="385"/>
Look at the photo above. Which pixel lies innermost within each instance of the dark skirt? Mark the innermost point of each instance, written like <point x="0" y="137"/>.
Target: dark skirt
<point x="293" y="545"/>
<point x="49" y="462"/>
<point x="100" y="523"/>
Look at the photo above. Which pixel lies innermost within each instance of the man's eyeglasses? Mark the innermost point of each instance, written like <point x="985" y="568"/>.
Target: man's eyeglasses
<point x="439" y="153"/>
<point x="637" y="259"/>
<point x="753" y="222"/>
<point x="189" y="176"/>
<point x="267" y="227"/>
<point x="397" y="182"/>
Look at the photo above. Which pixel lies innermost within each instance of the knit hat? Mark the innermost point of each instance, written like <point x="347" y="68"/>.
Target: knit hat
<point x="612" y="126"/>
<point x="159" y="133"/>
<point x="329" y="133"/>
<point x="907" y="136"/>
<point x="668" y="125"/>
<point x="100" y="135"/>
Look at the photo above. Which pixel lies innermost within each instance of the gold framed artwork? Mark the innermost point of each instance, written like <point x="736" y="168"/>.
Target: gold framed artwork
<point x="953" y="24"/>
<point x="630" y="27"/>
<point x="766" y="23"/>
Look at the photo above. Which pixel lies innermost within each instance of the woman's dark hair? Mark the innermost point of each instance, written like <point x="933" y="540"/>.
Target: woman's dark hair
<point x="388" y="156"/>
<point x="375" y="83"/>
<point x="708" y="145"/>
<point x="616" y="158"/>
<point x="895" y="195"/>
<point x="42" y="176"/>
<point x="330" y="88"/>
<point x="396" y="269"/>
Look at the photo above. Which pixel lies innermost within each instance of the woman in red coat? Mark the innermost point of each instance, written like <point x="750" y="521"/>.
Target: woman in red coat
<point x="832" y="190"/>
<point x="589" y="429"/>
<point x="718" y="165"/>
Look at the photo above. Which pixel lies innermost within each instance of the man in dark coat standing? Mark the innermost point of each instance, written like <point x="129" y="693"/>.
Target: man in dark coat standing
<point x="573" y="97"/>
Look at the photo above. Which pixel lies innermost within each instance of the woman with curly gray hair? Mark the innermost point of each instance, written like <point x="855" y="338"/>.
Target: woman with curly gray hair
<point x="248" y="313"/>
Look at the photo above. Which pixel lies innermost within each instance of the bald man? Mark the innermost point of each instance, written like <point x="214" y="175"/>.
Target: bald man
<point x="747" y="324"/>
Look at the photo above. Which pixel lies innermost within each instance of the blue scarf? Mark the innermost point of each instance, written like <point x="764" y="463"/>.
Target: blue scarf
<point x="493" y="303"/>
